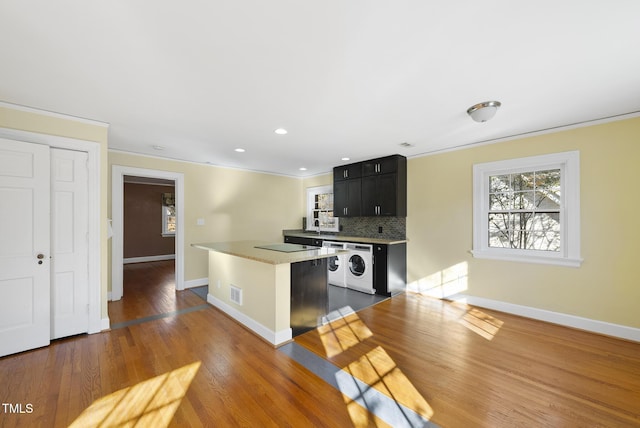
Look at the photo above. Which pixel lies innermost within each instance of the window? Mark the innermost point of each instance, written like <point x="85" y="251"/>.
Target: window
<point x="168" y="215"/>
<point x="320" y="209"/>
<point x="528" y="209"/>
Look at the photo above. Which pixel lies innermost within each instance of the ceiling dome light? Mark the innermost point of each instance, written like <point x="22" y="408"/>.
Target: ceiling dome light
<point x="240" y="150"/>
<point x="303" y="168"/>
<point x="280" y="131"/>
<point x="483" y="111"/>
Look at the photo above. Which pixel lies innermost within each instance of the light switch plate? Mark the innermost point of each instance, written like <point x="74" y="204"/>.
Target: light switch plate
<point x="200" y="222"/>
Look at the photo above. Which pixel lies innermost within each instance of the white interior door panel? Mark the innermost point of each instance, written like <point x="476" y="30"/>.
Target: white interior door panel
<point x="24" y="246"/>
<point x="69" y="231"/>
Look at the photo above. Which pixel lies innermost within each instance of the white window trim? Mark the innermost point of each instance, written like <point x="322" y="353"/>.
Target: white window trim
<point x="569" y="164"/>
<point x="311" y="194"/>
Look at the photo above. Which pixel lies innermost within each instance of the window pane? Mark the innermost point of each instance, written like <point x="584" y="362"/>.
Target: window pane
<point x="522" y="221"/>
<point x="548" y="179"/>
<point x="500" y="201"/>
<point x="499" y="221"/>
<point x="541" y="241"/>
<point x="499" y="183"/>
<point x="523" y="181"/>
<point x="499" y="239"/>
<point x="546" y="200"/>
<point x="523" y="201"/>
<point x="544" y="222"/>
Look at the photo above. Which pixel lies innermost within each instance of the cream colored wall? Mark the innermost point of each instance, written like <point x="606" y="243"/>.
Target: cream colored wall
<point x="236" y="205"/>
<point x="44" y="123"/>
<point x="604" y="288"/>
<point x="266" y="288"/>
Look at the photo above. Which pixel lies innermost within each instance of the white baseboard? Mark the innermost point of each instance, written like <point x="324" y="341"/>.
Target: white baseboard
<point x="594" y="326"/>
<point x="148" y="259"/>
<point x="276" y="338"/>
<point x="109" y="296"/>
<point x="196" y="282"/>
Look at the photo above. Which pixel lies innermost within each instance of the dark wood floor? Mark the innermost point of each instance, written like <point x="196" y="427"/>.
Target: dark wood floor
<point x="149" y="289"/>
<point x="455" y="365"/>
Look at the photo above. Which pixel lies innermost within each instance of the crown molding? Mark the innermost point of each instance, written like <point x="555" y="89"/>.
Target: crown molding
<point x="53" y="114"/>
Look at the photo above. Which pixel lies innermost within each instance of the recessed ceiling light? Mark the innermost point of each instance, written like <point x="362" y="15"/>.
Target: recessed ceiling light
<point x="346" y="159"/>
<point x="240" y="150"/>
<point x="280" y="131"/>
<point x="156" y="147"/>
<point x="303" y="168"/>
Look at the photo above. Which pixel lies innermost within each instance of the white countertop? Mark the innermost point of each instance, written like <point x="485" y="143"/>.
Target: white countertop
<point x="248" y="250"/>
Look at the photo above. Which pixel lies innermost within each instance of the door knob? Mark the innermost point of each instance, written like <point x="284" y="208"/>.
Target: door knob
<point x="40" y="256"/>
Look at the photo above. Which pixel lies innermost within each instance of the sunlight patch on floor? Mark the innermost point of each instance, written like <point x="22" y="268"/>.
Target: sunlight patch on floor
<point x="152" y="402"/>
<point x="481" y="323"/>
<point x="377" y="369"/>
<point x="343" y="333"/>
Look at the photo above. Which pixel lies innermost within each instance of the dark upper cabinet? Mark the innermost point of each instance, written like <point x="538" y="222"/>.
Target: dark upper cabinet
<point x="384" y="187"/>
<point x="347" y="172"/>
<point x="377" y="187"/>
<point x="380" y="196"/>
<point x="384" y="165"/>
<point x="346" y="198"/>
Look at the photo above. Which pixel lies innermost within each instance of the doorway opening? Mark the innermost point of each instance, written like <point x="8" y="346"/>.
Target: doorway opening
<point x="117" y="209"/>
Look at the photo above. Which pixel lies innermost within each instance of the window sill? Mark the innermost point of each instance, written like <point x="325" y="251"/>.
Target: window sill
<point x="557" y="261"/>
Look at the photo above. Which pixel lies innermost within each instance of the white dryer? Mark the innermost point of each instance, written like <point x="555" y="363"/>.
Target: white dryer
<point x="336" y="265"/>
<point x="359" y="272"/>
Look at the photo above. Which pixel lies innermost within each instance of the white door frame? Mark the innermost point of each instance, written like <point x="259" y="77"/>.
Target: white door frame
<point x="117" y="214"/>
<point x="93" y="150"/>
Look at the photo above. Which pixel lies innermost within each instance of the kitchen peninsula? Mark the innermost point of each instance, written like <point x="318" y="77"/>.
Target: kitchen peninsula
<point x="276" y="290"/>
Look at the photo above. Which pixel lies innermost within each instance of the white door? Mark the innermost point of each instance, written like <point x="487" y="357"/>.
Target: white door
<point x="69" y="244"/>
<point x="24" y="246"/>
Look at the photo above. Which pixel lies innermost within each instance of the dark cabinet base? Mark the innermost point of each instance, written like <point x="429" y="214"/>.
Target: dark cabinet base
<point x="309" y="296"/>
<point x="390" y="269"/>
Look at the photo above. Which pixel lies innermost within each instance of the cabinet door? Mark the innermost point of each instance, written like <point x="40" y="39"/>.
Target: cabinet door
<point x="379" y="195"/>
<point x="369" y="196"/>
<point x="354" y="198"/>
<point x="380" y="269"/>
<point x="384" y="165"/>
<point x="309" y="296"/>
<point x="386" y="187"/>
<point x="346" y="198"/>
<point x="347" y="172"/>
<point x="340" y="198"/>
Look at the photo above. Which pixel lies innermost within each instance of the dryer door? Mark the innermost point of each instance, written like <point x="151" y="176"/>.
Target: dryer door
<point x="357" y="265"/>
<point x="334" y="263"/>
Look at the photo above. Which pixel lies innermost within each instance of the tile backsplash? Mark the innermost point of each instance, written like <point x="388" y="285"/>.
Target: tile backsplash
<point x="369" y="227"/>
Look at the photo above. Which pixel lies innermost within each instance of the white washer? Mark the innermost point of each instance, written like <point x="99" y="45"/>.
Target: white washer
<point x="336" y="265"/>
<point x="359" y="272"/>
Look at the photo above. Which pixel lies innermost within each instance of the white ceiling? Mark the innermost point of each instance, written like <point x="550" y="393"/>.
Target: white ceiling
<point x="346" y="78"/>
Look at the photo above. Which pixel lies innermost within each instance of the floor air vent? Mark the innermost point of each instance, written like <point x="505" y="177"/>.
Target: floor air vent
<point x="236" y="295"/>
